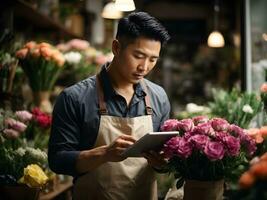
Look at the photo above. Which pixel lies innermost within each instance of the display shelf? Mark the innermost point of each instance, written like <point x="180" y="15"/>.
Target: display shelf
<point x="24" y="11"/>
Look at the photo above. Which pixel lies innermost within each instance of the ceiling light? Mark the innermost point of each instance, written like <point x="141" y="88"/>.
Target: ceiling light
<point x="125" y="5"/>
<point x="110" y="11"/>
<point x="215" y="38"/>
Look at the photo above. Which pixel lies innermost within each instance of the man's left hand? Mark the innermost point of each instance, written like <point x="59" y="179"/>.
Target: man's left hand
<point x="155" y="159"/>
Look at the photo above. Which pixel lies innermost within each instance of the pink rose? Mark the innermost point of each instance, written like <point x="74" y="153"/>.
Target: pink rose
<point x="188" y="135"/>
<point x="169" y="125"/>
<point x="184" y="148"/>
<point x="204" y="128"/>
<point x="199" y="141"/>
<point x="249" y="143"/>
<point x="78" y="44"/>
<point x="24" y="115"/>
<point x="185" y="125"/>
<point x="16" y="125"/>
<point x="219" y="136"/>
<point x="263" y="88"/>
<point x="232" y="144"/>
<point x="200" y="119"/>
<point x="214" y="150"/>
<point x="236" y="130"/>
<point x="171" y="146"/>
<point x="101" y="59"/>
<point x="11" y="133"/>
<point x="219" y="124"/>
<point x="63" y="47"/>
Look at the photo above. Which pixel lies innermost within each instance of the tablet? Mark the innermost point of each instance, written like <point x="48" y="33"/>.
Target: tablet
<point x="150" y="141"/>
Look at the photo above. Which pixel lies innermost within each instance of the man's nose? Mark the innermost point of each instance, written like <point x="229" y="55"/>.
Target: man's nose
<point x="144" y="65"/>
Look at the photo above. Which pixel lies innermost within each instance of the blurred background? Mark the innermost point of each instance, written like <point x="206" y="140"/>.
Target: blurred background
<point x="188" y="68"/>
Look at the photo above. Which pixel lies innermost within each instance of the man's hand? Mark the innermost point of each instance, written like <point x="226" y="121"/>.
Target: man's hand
<point x="155" y="159"/>
<point x="115" y="149"/>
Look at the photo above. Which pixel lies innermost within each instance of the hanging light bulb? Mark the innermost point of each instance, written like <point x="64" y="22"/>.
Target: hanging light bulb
<point x="110" y="11"/>
<point x="125" y="5"/>
<point x="215" y="38"/>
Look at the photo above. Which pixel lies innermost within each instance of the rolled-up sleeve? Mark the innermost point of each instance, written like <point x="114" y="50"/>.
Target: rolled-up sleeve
<point x="65" y="136"/>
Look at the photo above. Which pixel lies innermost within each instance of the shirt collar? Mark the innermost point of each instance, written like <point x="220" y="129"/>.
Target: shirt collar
<point x="108" y="89"/>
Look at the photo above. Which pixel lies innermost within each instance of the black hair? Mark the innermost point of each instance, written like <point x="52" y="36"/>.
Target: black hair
<point x="141" y="24"/>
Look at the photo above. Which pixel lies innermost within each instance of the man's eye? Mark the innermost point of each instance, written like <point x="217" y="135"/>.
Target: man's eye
<point x="139" y="56"/>
<point x="153" y="60"/>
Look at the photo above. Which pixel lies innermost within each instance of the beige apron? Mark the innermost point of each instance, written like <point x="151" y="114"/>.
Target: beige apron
<point x="131" y="179"/>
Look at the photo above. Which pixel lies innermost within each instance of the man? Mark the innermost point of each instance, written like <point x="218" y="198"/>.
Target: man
<point x="95" y="120"/>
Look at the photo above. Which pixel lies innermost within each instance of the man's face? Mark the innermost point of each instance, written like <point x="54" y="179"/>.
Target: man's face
<point x="137" y="59"/>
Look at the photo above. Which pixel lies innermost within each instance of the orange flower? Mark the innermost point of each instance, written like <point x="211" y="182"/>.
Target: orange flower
<point x="22" y="53"/>
<point x="30" y="45"/>
<point x="46" y="52"/>
<point x="44" y="44"/>
<point x="246" y="180"/>
<point x="255" y="133"/>
<point x="35" y="53"/>
<point x="263" y="131"/>
<point x="264" y="157"/>
<point x="263" y="88"/>
<point x="259" y="169"/>
<point x="60" y="61"/>
<point x="58" y="58"/>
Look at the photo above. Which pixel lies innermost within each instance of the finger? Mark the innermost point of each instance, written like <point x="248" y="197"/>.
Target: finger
<point x="120" y="150"/>
<point x="117" y="151"/>
<point x="124" y="144"/>
<point x="128" y="138"/>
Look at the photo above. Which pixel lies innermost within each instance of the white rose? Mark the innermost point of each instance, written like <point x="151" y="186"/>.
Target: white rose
<point x="73" y="57"/>
<point x="247" y="109"/>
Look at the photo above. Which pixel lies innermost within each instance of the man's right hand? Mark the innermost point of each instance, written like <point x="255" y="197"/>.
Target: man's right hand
<point x="117" y="147"/>
<point x="93" y="158"/>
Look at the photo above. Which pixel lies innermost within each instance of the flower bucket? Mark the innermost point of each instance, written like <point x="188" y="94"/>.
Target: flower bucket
<point x="203" y="190"/>
<point x="41" y="99"/>
<point x="20" y="192"/>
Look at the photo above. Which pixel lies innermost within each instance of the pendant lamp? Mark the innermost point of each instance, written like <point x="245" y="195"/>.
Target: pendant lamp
<point x="125" y="5"/>
<point x="215" y="38"/>
<point x="110" y="11"/>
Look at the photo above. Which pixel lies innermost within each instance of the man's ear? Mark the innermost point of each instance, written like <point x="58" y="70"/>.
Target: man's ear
<point x="116" y="47"/>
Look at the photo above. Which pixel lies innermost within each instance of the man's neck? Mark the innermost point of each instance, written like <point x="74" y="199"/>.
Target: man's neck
<point x="118" y="83"/>
<point x="122" y="87"/>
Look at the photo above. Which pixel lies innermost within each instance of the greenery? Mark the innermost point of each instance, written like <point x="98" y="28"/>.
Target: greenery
<point x="236" y="107"/>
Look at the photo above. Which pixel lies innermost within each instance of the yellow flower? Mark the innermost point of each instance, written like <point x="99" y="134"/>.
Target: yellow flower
<point x="34" y="176"/>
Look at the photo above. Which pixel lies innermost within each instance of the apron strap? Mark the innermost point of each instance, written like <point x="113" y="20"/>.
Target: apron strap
<point x="102" y="104"/>
<point x="149" y="110"/>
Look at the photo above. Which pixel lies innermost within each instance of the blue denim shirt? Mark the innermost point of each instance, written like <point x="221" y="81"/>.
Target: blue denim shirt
<point x="76" y="117"/>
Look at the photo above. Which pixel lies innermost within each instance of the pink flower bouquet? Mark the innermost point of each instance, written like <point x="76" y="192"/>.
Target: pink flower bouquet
<point x="206" y="149"/>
